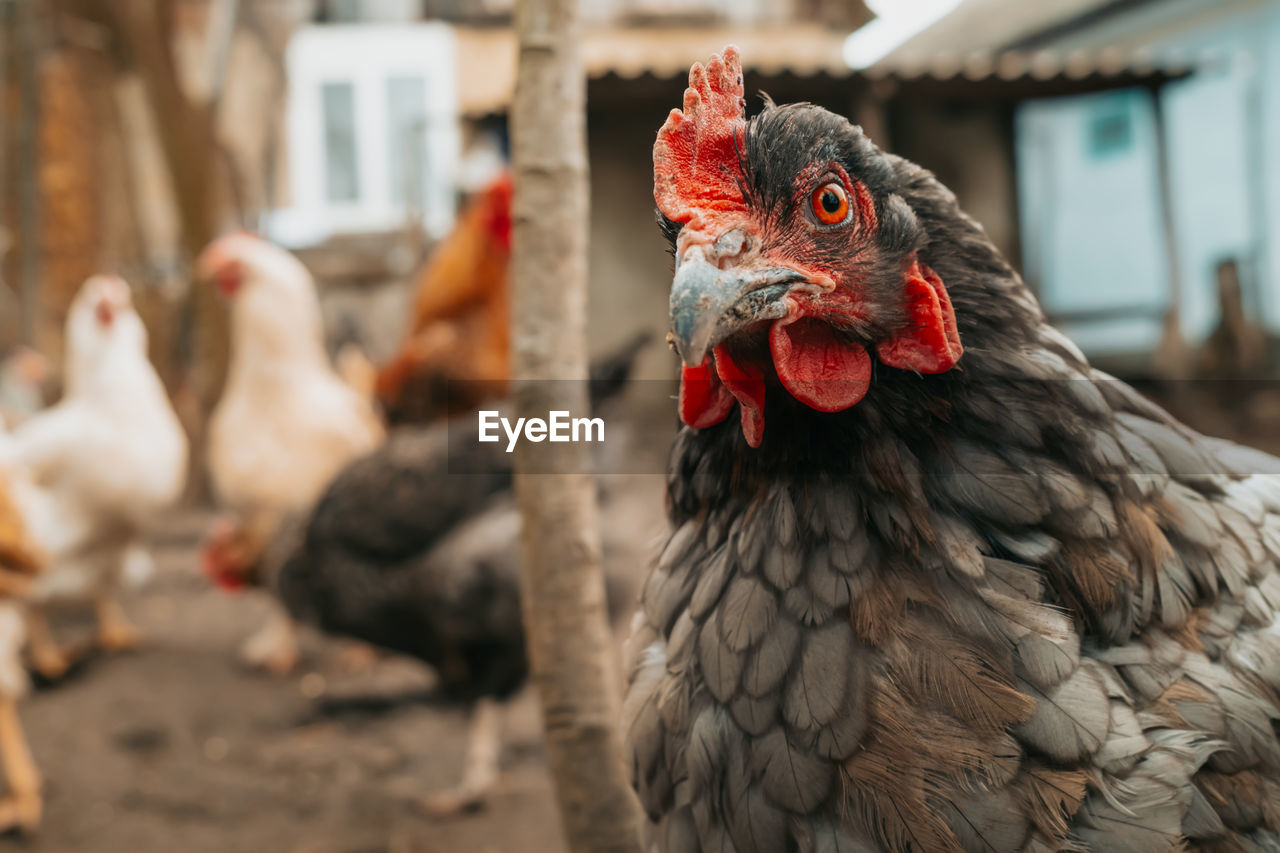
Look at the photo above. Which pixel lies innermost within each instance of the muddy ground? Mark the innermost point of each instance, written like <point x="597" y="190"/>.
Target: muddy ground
<point x="177" y="747"/>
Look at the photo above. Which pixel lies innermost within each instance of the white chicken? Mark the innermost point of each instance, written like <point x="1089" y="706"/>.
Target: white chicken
<point x="285" y="425"/>
<point x="109" y="456"/>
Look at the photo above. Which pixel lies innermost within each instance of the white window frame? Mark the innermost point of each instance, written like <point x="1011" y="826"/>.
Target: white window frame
<point x="367" y="56"/>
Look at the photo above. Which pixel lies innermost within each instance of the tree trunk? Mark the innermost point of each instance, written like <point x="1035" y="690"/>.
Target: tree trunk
<point x="28" y="206"/>
<point x="70" y="177"/>
<point x="562" y="582"/>
<point x="186" y="131"/>
<point x="202" y="187"/>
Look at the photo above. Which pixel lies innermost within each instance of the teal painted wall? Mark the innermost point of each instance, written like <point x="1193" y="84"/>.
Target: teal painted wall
<point x="1090" y="216"/>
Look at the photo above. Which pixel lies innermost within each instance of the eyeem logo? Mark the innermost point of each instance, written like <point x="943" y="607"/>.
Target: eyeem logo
<point x="557" y="427"/>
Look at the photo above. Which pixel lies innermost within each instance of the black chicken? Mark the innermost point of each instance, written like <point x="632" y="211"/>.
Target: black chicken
<point x="414" y="548"/>
<point x="940" y="586"/>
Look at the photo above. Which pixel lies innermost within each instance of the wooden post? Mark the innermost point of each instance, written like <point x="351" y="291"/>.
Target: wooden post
<point x="28" y="135"/>
<point x="871" y="111"/>
<point x="10" y="305"/>
<point x="562" y="583"/>
<point x="1172" y="358"/>
<point x="203" y="184"/>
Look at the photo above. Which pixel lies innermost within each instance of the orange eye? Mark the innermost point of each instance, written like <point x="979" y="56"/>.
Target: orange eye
<point x="830" y="203"/>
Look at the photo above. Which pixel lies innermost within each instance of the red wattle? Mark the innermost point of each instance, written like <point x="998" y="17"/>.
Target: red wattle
<point x="214" y="564"/>
<point x="227" y="280"/>
<point x="105" y="313"/>
<point x="817" y="367"/>
<point x="704" y="401"/>
<point x="931" y="342"/>
<point x="746" y="383"/>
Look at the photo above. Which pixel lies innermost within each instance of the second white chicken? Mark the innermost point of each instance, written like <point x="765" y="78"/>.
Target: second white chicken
<point x="286" y="422"/>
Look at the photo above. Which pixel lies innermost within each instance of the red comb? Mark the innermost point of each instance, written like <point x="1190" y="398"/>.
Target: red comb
<point x="695" y="160"/>
<point x="497" y="202"/>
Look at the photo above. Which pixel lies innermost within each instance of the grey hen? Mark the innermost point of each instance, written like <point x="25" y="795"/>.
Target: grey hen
<point x="939" y="585"/>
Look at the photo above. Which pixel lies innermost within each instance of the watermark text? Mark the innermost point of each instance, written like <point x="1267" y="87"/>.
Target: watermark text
<point x="558" y="426"/>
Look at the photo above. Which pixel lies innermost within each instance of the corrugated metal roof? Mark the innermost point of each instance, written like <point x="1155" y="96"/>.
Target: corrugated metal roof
<point x="1067" y="34"/>
<point x="487" y="60"/>
<point x="487" y="57"/>
<point x="986" y="26"/>
<point x="1037" y="65"/>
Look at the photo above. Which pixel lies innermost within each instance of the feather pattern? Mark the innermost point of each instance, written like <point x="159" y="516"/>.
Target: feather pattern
<point x="1013" y="606"/>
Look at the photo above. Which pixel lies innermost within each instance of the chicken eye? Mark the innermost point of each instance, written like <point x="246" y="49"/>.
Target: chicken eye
<point x="830" y="204"/>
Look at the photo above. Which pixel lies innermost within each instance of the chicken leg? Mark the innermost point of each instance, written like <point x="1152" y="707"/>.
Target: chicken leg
<point x="50" y="660"/>
<point x="115" y="632"/>
<point x="484" y="744"/>
<point x="274" y="646"/>
<point x="22" y="807"/>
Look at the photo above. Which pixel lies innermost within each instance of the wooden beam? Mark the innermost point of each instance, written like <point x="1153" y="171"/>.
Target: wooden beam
<point x="27" y="30"/>
<point x="1172" y="358"/>
<point x="562" y="582"/>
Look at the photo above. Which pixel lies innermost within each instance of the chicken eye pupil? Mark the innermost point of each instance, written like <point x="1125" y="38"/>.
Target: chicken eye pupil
<point x="830" y="202"/>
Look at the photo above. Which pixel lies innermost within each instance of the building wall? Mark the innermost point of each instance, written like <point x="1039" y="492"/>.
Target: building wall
<point x="1091" y="231"/>
<point x="629" y="266"/>
<point x="966" y="145"/>
<point x="1267" y="57"/>
<point x="1096" y="251"/>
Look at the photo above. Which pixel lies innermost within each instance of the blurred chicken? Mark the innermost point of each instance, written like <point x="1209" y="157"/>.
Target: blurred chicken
<point x="286" y="423"/>
<point x="456" y="355"/>
<point x="415" y="548"/>
<point x="20" y="560"/>
<point x="109" y="455"/>
<point x="22" y="376"/>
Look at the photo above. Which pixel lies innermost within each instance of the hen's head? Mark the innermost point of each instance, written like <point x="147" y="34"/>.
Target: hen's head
<point x="241" y="261"/>
<point x="102" y="319"/>
<point x="798" y="256"/>
<point x="271" y="294"/>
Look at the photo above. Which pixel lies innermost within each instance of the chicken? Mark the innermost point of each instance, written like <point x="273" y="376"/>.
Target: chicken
<point x="21" y="558"/>
<point x="110" y="455"/>
<point x="286" y="423"/>
<point x="936" y="584"/>
<point x="456" y="355"/>
<point x="414" y="548"/>
<point x="22" y="373"/>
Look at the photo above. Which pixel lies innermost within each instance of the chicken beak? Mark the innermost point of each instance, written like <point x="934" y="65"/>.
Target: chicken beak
<point x="709" y="304"/>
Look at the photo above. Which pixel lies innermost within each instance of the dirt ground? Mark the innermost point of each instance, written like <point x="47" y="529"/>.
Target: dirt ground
<point x="178" y="747"/>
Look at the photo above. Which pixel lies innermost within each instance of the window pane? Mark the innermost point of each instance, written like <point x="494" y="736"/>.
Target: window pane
<point x="1111" y="128"/>
<point x="341" y="179"/>
<point x="407" y="115"/>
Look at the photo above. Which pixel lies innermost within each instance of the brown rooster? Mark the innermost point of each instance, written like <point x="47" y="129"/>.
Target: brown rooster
<point x="936" y="584"/>
<point x="456" y="355"/>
